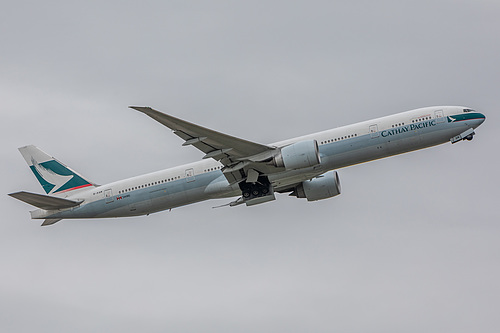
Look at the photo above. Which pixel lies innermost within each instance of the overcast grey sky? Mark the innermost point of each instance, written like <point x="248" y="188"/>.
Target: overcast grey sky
<point x="411" y="245"/>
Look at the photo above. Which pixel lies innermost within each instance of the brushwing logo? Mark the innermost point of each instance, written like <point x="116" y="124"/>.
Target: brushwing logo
<point x="54" y="181"/>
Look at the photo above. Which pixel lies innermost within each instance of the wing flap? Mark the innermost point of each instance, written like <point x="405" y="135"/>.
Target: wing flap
<point x="207" y="140"/>
<point x="50" y="222"/>
<point x="237" y="155"/>
<point x="44" y="201"/>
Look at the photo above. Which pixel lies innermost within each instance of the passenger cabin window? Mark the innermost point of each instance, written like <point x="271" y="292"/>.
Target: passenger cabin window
<point x="421" y="119"/>
<point x="339" y="138"/>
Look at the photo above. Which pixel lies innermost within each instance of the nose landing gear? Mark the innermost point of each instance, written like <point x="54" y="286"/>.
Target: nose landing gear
<point x="467" y="135"/>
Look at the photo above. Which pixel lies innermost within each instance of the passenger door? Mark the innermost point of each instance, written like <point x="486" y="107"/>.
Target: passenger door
<point x="439" y="116"/>
<point x="108" y="196"/>
<point x="190" y="175"/>
<point x="374" y="131"/>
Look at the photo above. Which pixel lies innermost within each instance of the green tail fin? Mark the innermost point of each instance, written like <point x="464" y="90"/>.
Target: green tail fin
<point x="55" y="177"/>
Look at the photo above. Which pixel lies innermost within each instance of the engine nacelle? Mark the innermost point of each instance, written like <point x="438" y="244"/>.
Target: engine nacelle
<point x="324" y="187"/>
<point x="303" y="154"/>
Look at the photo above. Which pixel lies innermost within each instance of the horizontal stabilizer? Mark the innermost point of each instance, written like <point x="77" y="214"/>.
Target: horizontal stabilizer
<point x="44" y="201"/>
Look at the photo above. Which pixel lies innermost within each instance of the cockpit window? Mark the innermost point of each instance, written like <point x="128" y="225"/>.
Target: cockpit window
<point x="468" y="110"/>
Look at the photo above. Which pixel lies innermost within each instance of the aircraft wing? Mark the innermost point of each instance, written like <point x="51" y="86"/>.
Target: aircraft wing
<point x="234" y="153"/>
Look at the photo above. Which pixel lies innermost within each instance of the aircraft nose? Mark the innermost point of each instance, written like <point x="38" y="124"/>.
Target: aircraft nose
<point x="481" y="117"/>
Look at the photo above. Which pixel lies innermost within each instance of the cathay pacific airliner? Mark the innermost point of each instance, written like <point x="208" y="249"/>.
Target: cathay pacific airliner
<point x="251" y="173"/>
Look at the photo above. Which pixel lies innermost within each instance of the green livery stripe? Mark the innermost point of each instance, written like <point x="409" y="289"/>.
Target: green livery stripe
<point x="465" y="116"/>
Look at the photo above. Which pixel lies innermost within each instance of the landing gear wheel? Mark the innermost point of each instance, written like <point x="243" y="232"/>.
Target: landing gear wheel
<point x="260" y="190"/>
<point x="469" y="137"/>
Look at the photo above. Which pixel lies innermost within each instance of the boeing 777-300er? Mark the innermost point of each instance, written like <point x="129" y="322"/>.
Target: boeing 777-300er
<point x="231" y="167"/>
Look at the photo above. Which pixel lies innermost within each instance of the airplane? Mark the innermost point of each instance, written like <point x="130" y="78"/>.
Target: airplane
<point x="303" y="166"/>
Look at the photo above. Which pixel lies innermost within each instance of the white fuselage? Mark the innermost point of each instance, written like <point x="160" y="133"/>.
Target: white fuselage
<point x="339" y="147"/>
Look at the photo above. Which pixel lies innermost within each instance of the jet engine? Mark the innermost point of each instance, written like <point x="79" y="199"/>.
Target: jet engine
<point x="323" y="187"/>
<point x="299" y="155"/>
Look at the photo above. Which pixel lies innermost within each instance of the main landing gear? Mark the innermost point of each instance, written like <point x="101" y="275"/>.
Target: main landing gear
<point x="254" y="193"/>
<point x="257" y="189"/>
<point x="258" y="192"/>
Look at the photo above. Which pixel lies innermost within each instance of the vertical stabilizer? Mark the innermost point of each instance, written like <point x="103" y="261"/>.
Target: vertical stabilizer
<point x="55" y="177"/>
